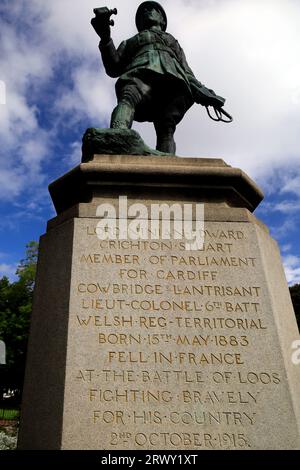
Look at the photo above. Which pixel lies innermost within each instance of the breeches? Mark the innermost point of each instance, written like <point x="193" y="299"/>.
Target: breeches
<point x="155" y="98"/>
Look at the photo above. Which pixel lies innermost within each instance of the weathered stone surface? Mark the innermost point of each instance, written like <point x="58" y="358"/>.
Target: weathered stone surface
<point x="155" y="178"/>
<point x="43" y="397"/>
<point x="114" y="142"/>
<point x="141" y="344"/>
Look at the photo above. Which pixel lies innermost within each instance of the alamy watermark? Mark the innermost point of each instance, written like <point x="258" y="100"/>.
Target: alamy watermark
<point x="157" y="222"/>
<point x="296" y="353"/>
<point x="2" y="92"/>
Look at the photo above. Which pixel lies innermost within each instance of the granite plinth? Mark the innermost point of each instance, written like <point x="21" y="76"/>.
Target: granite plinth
<point x="142" y="344"/>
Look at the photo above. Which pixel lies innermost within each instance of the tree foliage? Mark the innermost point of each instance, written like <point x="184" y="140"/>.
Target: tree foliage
<point x="15" y="311"/>
<point x="295" y="295"/>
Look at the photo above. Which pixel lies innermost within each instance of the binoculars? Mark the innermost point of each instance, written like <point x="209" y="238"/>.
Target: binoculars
<point x="103" y="15"/>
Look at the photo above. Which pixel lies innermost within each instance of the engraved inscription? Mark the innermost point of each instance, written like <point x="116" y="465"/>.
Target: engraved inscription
<point x="166" y="340"/>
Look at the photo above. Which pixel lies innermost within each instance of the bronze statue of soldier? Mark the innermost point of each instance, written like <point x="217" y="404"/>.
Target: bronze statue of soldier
<point x="155" y="82"/>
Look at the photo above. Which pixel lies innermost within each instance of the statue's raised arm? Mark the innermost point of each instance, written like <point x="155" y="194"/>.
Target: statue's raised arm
<point x="154" y="82"/>
<point x="102" y="22"/>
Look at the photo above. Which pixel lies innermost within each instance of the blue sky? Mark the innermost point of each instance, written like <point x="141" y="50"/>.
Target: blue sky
<point x="53" y="87"/>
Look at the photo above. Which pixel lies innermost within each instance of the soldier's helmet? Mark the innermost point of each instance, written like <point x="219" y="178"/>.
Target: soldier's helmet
<point x="140" y="10"/>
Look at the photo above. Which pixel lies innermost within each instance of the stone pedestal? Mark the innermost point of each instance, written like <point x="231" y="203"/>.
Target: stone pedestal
<point x="142" y="344"/>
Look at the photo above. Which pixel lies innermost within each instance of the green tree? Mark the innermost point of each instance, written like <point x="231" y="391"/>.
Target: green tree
<point x="295" y="295"/>
<point x="15" y="311"/>
<point x="27" y="267"/>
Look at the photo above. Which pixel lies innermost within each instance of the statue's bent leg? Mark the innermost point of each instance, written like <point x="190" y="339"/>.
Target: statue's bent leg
<point x="129" y="97"/>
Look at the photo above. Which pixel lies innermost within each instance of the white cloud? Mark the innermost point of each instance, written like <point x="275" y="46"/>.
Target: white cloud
<point x="8" y="270"/>
<point x="292" y="185"/>
<point x="284" y="229"/>
<point x="23" y="143"/>
<point x="286" y="247"/>
<point x="92" y="95"/>
<point x="2" y="92"/>
<point x="74" y="156"/>
<point x="22" y="62"/>
<point x="236" y="49"/>
<point x="11" y="182"/>
<point x="287" y="206"/>
<point x="292" y="268"/>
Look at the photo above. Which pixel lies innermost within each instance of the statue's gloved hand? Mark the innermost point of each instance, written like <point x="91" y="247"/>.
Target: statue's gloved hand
<point x="102" y="29"/>
<point x="206" y="96"/>
<point x="216" y="101"/>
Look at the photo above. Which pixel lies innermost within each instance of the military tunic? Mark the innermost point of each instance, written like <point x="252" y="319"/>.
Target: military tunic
<point x="154" y="63"/>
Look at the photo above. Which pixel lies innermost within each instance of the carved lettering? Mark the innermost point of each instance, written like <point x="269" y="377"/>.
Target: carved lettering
<point x="170" y="334"/>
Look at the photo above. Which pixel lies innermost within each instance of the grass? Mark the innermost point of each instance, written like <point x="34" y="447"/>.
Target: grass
<point x="9" y="414"/>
